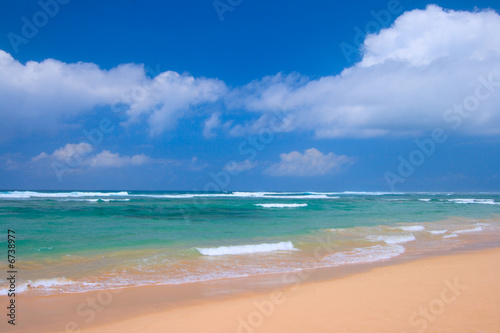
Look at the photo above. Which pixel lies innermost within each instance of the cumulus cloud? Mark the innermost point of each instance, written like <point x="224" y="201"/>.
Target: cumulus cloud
<point x="410" y="75"/>
<point x="169" y="96"/>
<point x="71" y="151"/>
<point x="212" y="124"/>
<point x="43" y="96"/>
<point x="237" y="167"/>
<point x="308" y="164"/>
<point x="421" y="37"/>
<point x="81" y="155"/>
<point x="114" y="160"/>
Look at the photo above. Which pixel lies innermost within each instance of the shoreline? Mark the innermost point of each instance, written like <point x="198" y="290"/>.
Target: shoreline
<point x="322" y="249"/>
<point x="108" y="311"/>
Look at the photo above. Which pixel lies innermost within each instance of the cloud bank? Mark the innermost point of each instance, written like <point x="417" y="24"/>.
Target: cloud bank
<point x="79" y="155"/>
<point x="49" y="95"/>
<point x="410" y="75"/>
<point x="309" y="164"/>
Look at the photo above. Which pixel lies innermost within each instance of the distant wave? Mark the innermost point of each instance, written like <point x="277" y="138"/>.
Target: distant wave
<point x="475" y="201"/>
<point x="281" y="205"/>
<point x="266" y="195"/>
<point x="245" y="249"/>
<point x="33" y="194"/>
<point x="106" y="200"/>
<point x="371" y="193"/>
<point x="93" y="199"/>
<point x="236" y="194"/>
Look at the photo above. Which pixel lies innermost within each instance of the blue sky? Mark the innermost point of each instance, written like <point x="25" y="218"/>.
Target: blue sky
<point x="250" y="95"/>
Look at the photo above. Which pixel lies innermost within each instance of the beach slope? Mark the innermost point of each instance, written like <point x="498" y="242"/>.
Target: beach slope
<point x="454" y="293"/>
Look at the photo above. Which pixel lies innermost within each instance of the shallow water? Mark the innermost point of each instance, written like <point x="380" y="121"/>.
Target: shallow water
<point x="79" y="241"/>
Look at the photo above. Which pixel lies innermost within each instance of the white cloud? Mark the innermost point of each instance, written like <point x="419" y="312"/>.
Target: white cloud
<point x="421" y="37"/>
<point x="169" y="96"/>
<point x="409" y="76"/>
<point x="212" y="124"/>
<point x="311" y="163"/>
<point x="71" y="151"/>
<point x="271" y="122"/>
<point x="40" y="156"/>
<point x="44" y="96"/>
<point x="114" y="160"/>
<point x="237" y="167"/>
<point x="80" y="155"/>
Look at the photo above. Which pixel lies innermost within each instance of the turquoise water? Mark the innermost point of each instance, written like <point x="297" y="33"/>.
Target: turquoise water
<point x="74" y="241"/>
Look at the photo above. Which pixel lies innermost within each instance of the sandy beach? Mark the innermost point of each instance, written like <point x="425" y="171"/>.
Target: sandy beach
<point x="459" y="292"/>
<point x="236" y="166"/>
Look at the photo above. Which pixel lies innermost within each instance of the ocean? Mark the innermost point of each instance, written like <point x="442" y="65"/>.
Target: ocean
<point x="69" y="242"/>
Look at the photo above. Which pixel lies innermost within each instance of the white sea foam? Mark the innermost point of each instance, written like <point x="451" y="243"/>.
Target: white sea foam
<point x="108" y="200"/>
<point x="93" y="200"/>
<point x="283" y="195"/>
<point x="281" y="205"/>
<point x="392" y="239"/>
<point x="358" y="193"/>
<point x="266" y="195"/>
<point x="286" y="195"/>
<point x="307" y="196"/>
<point x="49" y="283"/>
<point x="450" y="236"/>
<point x="475" y="201"/>
<point x="370" y="193"/>
<point x="255" y="194"/>
<point x="366" y="254"/>
<point x="211" y="195"/>
<point x="246" y="249"/>
<point x="33" y="194"/>
<point x="43" y="285"/>
<point x="476" y="229"/>
<point x="412" y="228"/>
<point x="270" y="195"/>
<point x="438" y="232"/>
<point x="426" y="200"/>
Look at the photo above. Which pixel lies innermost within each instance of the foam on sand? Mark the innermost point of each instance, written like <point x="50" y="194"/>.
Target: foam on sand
<point x="438" y="232"/>
<point x="47" y="285"/>
<point x="245" y="249"/>
<point x="365" y="254"/>
<point x="412" y="228"/>
<point x="476" y="229"/>
<point x="281" y="205"/>
<point x="392" y="239"/>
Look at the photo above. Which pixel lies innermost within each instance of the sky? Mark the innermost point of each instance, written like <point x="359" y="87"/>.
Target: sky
<point x="238" y="95"/>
